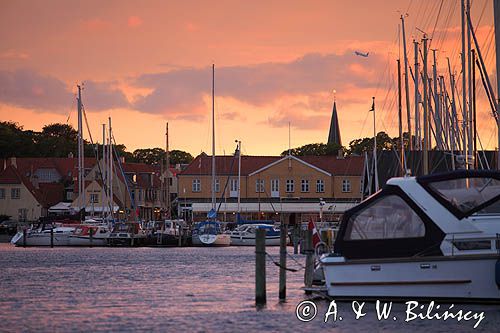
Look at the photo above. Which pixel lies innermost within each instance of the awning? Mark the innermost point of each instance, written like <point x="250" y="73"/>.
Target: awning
<point x="285" y="207"/>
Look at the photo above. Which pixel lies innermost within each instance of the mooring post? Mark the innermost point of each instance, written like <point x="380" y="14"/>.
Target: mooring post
<point x="308" y="249"/>
<point x="180" y="235"/>
<point x="260" y="267"/>
<point x="283" y="237"/>
<point x="325" y="238"/>
<point x="52" y="237"/>
<point x="91" y="236"/>
<point x="24" y="236"/>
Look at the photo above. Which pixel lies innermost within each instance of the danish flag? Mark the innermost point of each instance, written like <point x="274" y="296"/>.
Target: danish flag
<point x="315" y="237"/>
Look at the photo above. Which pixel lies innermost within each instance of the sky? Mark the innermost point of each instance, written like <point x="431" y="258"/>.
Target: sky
<point x="278" y="67"/>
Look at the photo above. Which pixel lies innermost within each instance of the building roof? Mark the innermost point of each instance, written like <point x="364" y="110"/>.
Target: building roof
<point x="228" y="165"/>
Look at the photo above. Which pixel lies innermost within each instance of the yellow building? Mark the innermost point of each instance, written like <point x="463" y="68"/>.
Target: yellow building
<point x="270" y="185"/>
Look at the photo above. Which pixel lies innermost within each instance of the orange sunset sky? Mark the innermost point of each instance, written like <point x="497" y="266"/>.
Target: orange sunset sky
<point x="148" y="62"/>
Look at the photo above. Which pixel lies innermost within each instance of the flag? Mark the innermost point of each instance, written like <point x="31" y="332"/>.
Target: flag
<point x="373" y="104"/>
<point x="315" y="237"/>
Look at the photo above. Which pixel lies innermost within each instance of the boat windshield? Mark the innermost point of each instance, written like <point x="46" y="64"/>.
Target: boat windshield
<point x="468" y="194"/>
<point x="389" y="217"/>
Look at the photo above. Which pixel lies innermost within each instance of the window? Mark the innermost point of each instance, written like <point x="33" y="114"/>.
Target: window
<point x="69" y="195"/>
<point x="259" y="186"/>
<point x="387" y="218"/>
<point x="346" y="185"/>
<point x="217" y="185"/>
<point x="15" y="193"/>
<point x="290" y="185"/>
<point x="2" y="193"/>
<point x="320" y="186"/>
<point x="94" y="198"/>
<point x="234" y="184"/>
<point x="196" y="185"/>
<point x="275" y="185"/>
<point x="304" y="185"/>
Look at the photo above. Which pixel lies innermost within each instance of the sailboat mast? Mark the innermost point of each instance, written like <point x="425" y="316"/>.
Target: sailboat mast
<point x="375" y="168"/>
<point x="81" y="153"/>
<point x="110" y="175"/>
<point x="167" y="156"/>
<point x="426" y="108"/>
<point x="213" y="137"/>
<point x="464" y="89"/>
<point x="400" y="123"/>
<point x="239" y="175"/>
<point x="103" y="168"/>
<point x="407" y="91"/>
<point x="418" y="139"/>
<point x="496" y="5"/>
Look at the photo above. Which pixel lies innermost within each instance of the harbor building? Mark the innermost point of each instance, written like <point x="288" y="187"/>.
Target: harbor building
<point x="318" y="187"/>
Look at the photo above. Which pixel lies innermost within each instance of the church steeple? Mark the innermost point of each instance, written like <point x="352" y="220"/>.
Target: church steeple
<point x="334" y="134"/>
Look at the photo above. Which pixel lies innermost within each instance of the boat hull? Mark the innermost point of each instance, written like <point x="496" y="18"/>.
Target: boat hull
<point x="85" y="241"/>
<point x="250" y="241"/>
<point x="464" y="279"/>
<point x="40" y="239"/>
<point x="216" y="240"/>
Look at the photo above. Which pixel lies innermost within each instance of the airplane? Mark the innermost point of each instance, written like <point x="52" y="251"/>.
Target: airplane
<point x="361" y="54"/>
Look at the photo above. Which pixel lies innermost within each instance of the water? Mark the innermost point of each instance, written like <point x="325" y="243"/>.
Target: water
<point x="171" y="289"/>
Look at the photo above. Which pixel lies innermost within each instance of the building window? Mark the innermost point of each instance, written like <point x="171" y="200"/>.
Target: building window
<point x="196" y="185"/>
<point x="2" y="193"/>
<point x="304" y="185"/>
<point x="217" y="185"/>
<point x="275" y="185"/>
<point x="290" y="185"/>
<point x="15" y="193"/>
<point x="346" y="185"/>
<point x="320" y="186"/>
<point x="94" y="198"/>
<point x="259" y="186"/>
<point x="234" y="184"/>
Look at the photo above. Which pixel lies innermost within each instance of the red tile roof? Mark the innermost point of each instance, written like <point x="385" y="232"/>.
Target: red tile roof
<point x="228" y="165"/>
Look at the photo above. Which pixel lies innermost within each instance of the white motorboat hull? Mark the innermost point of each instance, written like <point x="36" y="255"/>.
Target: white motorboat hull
<point x="40" y="239"/>
<point x="212" y="240"/>
<point x="250" y="241"/>
<point x="471" y="278"/>
<point x="85" y="241"/>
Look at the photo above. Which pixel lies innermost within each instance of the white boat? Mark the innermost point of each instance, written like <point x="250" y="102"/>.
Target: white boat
<point x="42" y="237"/>
<point x="430" y="237"/>
<point x="209" y="233"/>
<point x="244" y="235"/>
<point x="89" y="235"/>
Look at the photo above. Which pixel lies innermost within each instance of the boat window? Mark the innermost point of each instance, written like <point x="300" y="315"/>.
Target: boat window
<point x="103" y="231"/>
<point x="387" y="218"/>
<point x="494" y="208"/>
<point x="472" y="245"/>
<point x="465" y="194"/>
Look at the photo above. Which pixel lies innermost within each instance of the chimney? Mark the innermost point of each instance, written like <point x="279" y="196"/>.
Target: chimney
<point x="13" y="162"/>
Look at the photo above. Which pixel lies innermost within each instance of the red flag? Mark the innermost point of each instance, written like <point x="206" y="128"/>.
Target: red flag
<point x="315" y="237"/>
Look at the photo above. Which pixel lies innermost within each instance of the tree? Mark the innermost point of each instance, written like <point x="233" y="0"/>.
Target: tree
<point x="180" y="157"/>
<point x="16" y="142"/>
<point x="155" y="155"/>
<point x="58" y="140"/>
<point x="315" y="149"/>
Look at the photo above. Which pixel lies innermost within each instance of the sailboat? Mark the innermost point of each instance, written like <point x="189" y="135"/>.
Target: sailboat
<point x="210" y="232"/>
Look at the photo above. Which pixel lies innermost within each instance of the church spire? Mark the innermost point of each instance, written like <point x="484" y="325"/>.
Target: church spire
<point x="334" y="134"/>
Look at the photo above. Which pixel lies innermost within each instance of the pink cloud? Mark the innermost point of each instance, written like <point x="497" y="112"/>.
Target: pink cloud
<point x="134" y="21"/>
<point x="95" y="24"/>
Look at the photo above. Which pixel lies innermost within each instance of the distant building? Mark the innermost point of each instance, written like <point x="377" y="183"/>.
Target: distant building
<point x="334" y="133"/>
<point x="271" y="185"/>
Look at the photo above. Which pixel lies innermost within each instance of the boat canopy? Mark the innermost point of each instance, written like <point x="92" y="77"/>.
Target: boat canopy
<point x="387" y="225"/>
<point x="465" y="192"/>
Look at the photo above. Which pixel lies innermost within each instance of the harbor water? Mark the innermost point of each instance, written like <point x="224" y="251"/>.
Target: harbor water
<point x="174" y="290"/>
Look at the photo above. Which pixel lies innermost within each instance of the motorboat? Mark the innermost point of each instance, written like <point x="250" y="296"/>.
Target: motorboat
<point x="244" y="235"/>
<point x="167" y="233"/>
<point x="127" y="234"/>
<point x="210" y="233"/>
<point x="90" y="235"/>
<point x="430" y="237"/>
<point x="42" y="236"/>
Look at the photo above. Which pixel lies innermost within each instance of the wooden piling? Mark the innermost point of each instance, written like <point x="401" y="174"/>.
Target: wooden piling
<point x="91" y="236"/>
<point x="25" y="237"/>
<point x="309" y="251"/>
<point x="282" y="283"/>
<point x="52" y="237"/>
<point x="180" y="236"/>
<point x="260" y="267"/>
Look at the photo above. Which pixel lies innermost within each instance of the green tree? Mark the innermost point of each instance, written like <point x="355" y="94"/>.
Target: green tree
<point x="315" y="149"/>
<point x="58" y="140"/>
<point x="16" y="142"/>
<point x="180" y="157"/>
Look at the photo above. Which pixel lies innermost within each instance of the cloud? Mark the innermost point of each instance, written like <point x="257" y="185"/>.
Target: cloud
<point x="95" y="24"/>
<point x="179" y="90"/>
<point x="13" y="54"/>
<point x="28" y="89"/>
<point x="134" y="21"/>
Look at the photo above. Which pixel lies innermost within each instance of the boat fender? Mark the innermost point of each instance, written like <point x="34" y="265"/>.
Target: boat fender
<point x="497" y="273"/>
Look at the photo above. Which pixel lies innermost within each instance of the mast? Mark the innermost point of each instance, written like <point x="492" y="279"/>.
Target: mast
<point x="407" y="92"/>
<point x="375" y="175"/>
<point x="464" y="89"/>
<point x="400" y="122"/>
<point x="426" y="115"/>
<point x="103" y="168"/>
<point x="239" y="176"/>
<point x="81" y="154"/>
<point x="469" y="80"/>
<point x="437" y="112"/>
<point x="110" y="175"/>
<point x="418" y="138"/>
<point x="496" y="5"/>
<point x="167" y="156"/>
<point x="213" y="137"/>
<point x="473" y="115"/>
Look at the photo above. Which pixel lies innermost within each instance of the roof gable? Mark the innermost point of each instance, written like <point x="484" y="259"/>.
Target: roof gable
<point x="288" y="158"/>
